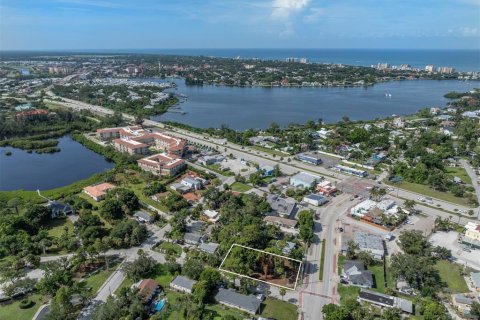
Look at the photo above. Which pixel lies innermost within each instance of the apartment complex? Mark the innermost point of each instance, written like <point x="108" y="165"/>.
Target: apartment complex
<point x="162" y="164"/>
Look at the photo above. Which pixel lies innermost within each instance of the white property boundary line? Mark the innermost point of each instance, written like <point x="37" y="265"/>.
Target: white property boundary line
<point x="262" y="251"/>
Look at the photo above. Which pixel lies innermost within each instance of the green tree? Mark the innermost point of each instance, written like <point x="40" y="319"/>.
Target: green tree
<point x="141" y="267"/>
<point x="306" y="225"/>
<point x="282" y="292"/>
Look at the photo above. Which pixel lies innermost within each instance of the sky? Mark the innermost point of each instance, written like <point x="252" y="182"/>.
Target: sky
<point x="161" y="24"/>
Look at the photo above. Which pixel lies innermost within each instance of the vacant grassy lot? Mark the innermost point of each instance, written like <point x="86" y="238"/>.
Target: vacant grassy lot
<point x="377" y="271"/>
<point x="347" y="292"/>
<point x="459" y="172"/>
<point x="240" y="187"/>
<point x="451" y="275"/>
<point x="278" y="309"/>
<point x="429" y="192"/>
<point x="269" y="151"/>
<point x="164" y="246"/>
<point x="13" y="311"/>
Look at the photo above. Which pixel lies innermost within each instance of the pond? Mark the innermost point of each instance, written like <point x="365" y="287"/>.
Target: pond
<point x="31" y="171"/>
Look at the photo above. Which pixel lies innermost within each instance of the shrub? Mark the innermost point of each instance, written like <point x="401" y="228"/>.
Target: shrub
<point x="26" y="303"/>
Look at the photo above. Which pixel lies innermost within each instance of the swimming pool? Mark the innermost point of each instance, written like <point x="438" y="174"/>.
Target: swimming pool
<point x="159" y="305"/>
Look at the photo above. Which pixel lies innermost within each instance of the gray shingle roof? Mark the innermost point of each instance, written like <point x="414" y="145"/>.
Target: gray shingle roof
<point x="209" y="247"/>
<point x="183" y="282"/>
<point x="244" y="302"/>
<point x="476" y="279"/>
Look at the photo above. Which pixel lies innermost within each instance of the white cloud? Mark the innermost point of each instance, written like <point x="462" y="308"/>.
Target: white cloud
<point x="283" y="9"/>
<point x="469" y="32"/>
<point x="313" y="15"/>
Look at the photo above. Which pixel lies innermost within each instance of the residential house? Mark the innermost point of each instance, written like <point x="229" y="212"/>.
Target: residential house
<point x="280" y="222"/>
<point x="98" y="191"/>
<point x="59" y="209"/>
<point x="463" y="303"/>
<point x="289" y="246"/>
<point x="208" y="247"/>
<point x="211" y="215"/>
<point x="143" y="216"/>
<point x="182" y="284"/>
<point x="192" y="238"/>
<point x="148" y="288"/>
<point x="267" y="170"/>
<point x="472" y="234"/>
<point x="180" y="188"/>
<point x="192" y="183"/>
<point x="385" y="301"/>
<point x="355" y="274"/>
<point x="231" y="298"/>
<point x="305" y="180"/>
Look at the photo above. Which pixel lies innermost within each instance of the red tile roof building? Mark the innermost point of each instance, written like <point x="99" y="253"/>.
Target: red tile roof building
<point x="98" y="191"/>
<point x="162" y="164"/>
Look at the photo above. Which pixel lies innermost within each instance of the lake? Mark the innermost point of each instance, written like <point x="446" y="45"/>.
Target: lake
<point x="255" y="107"/>
<point x="31" y="171"/>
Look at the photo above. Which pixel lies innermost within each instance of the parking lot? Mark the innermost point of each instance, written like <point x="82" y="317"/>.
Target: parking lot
<point x="449" y="240"/>
<point x="237" y="166"/>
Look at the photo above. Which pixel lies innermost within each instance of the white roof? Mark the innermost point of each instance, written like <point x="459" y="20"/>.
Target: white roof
<point x="210" y="213"/>
<point x="363" y="207"/>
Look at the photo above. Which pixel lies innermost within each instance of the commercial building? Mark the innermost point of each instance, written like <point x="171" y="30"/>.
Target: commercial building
<point x="352" y="171"/>
<point x="305" y="180"/>
<point x="362" y="209"/>
<point x="130" y="146"/>
<point x="309" y="157"/>
<point x="231" y="298"/>
<point x="315" y="199"/>
<point x="162" y="164"/>
<point x="472" y="234"/>
<point x="386" y="301"/>
<point x="98" y="191"/>
<point x="182" y="284"/>
<point x="370" y="243"/>
<point x="326" y="188"/>
<point x="285" y="207"/>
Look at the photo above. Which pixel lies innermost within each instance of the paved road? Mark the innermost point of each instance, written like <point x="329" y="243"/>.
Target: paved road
<point x="250" y="154"/>
<point x="315" y="293"/>
<point x="475" y="181"/>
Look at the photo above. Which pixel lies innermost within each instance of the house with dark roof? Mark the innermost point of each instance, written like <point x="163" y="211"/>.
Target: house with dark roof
<point x="59" y="209"/>
<point x="192" y="238"/>
<point x="182" y="284"/>
<point x="383" y="300"/>
<point x="233" y="299"/>
<point x="285" y="207"/>
<point x="354" y="272"/>
<point x="209" y="247"/>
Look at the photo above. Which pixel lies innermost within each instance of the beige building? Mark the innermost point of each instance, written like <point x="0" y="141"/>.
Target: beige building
<point x="162" y="164"/>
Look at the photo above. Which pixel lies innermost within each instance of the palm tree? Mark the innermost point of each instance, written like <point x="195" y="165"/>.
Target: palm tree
<point x="283" y="291"/>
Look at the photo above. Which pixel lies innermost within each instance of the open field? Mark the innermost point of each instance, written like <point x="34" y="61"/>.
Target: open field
<point x="429" y="192"/>
<point x="56" y="227"/>
<point x="278" y="309"/>
<point x="378" y="274"/>
<point x="459" y="172"/>
<point x="451" y="275"/>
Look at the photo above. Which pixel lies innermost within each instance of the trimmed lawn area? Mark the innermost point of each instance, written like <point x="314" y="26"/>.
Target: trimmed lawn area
<point x="164" y="246"/>
<point x="240" y="187"/>
<point x="322" y="261"/>
<point x="13" y="311"/>
<point x="126" y="283"/>
<point x="377" y="271"/>
<point x="163" y="277"/>
<point x="216" y="167"/>
<point x="95" y="281"/>
<point x="278" y="309"/>
<point x="55" y="227"/>
<point x="220" y="311"/>
<point x="347" y="292"/>
<point x="459" y="172"/>
<point x="451" y="275"/>
<point x="429" y="192"/>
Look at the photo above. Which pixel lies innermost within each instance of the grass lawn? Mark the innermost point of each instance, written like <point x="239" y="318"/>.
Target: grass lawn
<point x="451" y="275"/>
<point x="55" y="227"/>
<point x="216" y="168"/>
<point x="278" y="309"/>
<point x="269" y="151"/>
<point x="126" y="283"/>
<point x="220" y="311"/>
<point x="377" y="271"/>
<point x="240" y="187"/>
<point x="13" y="311"/>
<point x="163" y="277"/>
<point x="168" y="245"/>
<point x="459" y="172"/>
<point x="95" y="281"/>
<point x="429" y="192"/>
<point x="347" y="292"/>
<point x="322" y="261"/>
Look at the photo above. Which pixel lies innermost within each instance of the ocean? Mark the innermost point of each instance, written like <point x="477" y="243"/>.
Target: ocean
<point x="461" y="60"/>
